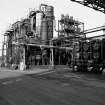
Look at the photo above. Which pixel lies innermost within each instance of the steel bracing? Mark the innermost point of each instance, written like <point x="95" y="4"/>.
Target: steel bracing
<point x="98" y="5"/>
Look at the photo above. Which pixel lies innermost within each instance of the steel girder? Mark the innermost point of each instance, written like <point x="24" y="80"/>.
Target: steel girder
<point x="98" y="5"/>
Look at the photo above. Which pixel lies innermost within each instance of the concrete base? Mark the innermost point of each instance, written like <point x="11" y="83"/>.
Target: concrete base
<point x="51" y="67"/>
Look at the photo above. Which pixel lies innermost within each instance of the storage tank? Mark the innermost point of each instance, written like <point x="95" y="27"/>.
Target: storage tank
<point x="44" y="30"/>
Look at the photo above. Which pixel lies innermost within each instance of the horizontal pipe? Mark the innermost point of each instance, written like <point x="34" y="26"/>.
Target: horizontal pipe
<point x="45" y="46"/>
<point x="94" y="29"/>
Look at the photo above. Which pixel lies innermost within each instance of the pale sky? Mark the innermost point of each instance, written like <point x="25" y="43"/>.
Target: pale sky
<point x="13" y="10"/>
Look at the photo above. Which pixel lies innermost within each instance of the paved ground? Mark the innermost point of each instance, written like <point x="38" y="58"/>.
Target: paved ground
<point x="7" y="73"/>
<point x="53" y="89"/>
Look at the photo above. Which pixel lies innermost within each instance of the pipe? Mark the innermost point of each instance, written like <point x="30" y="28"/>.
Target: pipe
<point x="33" y="19"/>
<point x="94" y="29"/>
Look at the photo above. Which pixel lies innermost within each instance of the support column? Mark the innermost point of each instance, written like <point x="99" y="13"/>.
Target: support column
<point x="42" y="55"/>
<point x="3" y="48"/>
<point x="51" y="59"/>
<point x="24" y="57"/>
<point x="73" y="56"/>
<point x="52" y="53"/>
<point x="23" y="60"/>
<point x="59" y="59"/>
<point x="6" y="62"/>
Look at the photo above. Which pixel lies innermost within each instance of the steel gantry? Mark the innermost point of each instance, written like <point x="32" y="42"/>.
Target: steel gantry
<point x="98" y="5"/>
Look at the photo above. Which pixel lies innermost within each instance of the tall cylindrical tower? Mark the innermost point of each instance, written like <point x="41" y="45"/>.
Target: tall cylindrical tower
<point x="44" y="30"/>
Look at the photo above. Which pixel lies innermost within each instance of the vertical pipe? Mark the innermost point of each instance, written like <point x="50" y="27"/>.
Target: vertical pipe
<point x="42" y="56"/>
<point x="33" y="23"/>
<point x="64" y="28"/>
<point x="24" y="58"/>
<point x="52" y="57"/>
<point x="101" y="50"/>
<point x="6" y="54"/>
<point x="58" y="28"/>
<point x="3" y="53"/>
<point x="59" y="59"/>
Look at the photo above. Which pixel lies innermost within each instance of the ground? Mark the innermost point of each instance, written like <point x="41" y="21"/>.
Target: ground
<point x="55" y="88"/>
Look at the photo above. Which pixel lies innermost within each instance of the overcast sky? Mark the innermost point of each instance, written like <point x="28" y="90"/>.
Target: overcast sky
<point x="13" y="10"/>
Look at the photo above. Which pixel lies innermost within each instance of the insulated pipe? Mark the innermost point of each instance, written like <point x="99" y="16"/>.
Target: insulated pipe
<point x="33" y="19"/>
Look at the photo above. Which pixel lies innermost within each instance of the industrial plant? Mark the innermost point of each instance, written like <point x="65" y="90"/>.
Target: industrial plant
<point x="31" y="42"/>
<point x="52" y="61"/>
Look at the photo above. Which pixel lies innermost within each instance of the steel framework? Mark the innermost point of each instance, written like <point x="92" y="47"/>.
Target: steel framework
<point x="98" y="5"/>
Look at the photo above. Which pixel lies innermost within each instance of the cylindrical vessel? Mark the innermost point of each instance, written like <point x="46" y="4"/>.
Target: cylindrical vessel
<point x="38" y="23"/>
<point x="44" y="30"/>
<point x="33" y="23"/>
<point x="50" y="17"/>
<point x="50" y="29"/>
